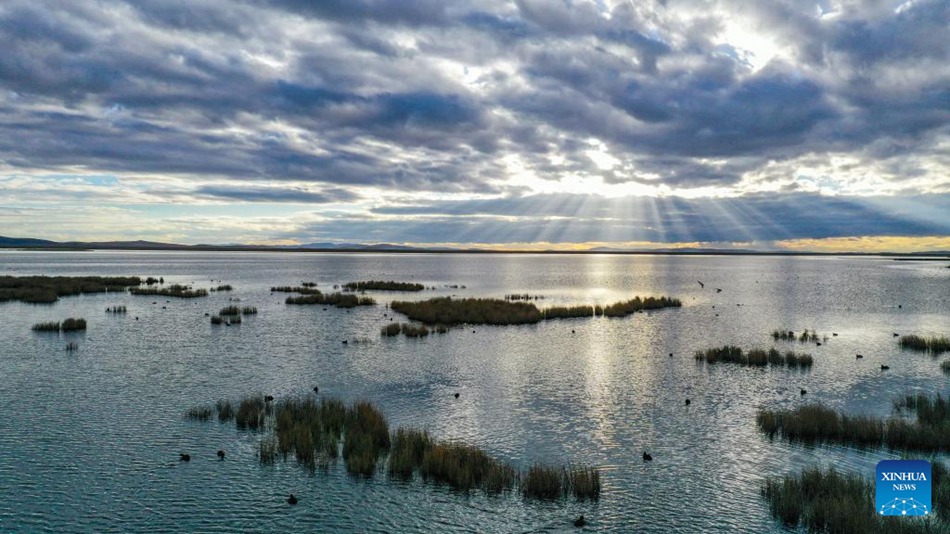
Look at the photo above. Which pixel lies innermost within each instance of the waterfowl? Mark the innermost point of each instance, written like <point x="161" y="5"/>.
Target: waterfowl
<point x="885" y="367"/>
<point x="803" y="392"/>
<point x="316" y="389"/>
<point x="292" y="499"/>
<point x="456" y="395"/>
<point x="268" y="398"/>
<point x="647" y="457"/>
<point x="185" y="457"/>
<point x="580" y="521"/>
<point x="858" y="356"/>
<point x="221" y="454"/>
<point x="687" y="402"/>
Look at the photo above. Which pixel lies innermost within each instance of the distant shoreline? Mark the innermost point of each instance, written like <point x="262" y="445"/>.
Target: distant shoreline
<point x="912" y="256"/>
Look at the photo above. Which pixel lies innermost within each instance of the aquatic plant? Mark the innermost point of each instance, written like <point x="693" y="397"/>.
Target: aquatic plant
<point x="199" y="413"/>
<point x="391" y="329"/>
<point x="449" y="311"/>
<point x="230" y="310"/>
<point x="51" y="326"/>
<point x="117" y="309"/>
<point x="411" y="330"/>
<point x="583" y="482"/>
<point x="567" y="312"/>
<point x="249" y="310"/>
<point x="945" y="366"/>
<point x="267" y="451"/>
<point x="366" y="438"/>
<point x="225" y="410"/>
<point x="225" y="287"/>
<point x="73" y="324"/>
<point x="174" y="290"/>
<point x="934" y="344"/>
<point x="234" y="319"/>
<point x="826" y="500"/>
<point x="380" y="285"/>
<point x="783" y="335"/>
<point x="251" y="412"/>
<point x="627" y="307"/>
<point x="303" y="290"/>
<point x="48" y="289"/>
<point x="339" y="300"/>
<point x="409" y="446"/>
<point x="308" y="284"/>
<point x="754" y="357"/>
<point x="215" y="319"/>
<point x="543" y="482"/>
<point x="813" y="423"/>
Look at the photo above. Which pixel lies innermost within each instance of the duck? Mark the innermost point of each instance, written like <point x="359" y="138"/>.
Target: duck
<point x="580" y="521"/>
<point x="221" y="454"/>
<point x="185" y="457"/>
<point x="647" y="457"/>
<point x="292" y="499"/>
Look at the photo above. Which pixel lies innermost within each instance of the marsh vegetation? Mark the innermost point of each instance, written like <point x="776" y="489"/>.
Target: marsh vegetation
<point x="934" y="344"/>
<point x="379" y="285"/>
<point x="48" y="289"/>
<point x="175" y="290"/>
<point x="449" y="311"/>
<point x="755" y="357"/>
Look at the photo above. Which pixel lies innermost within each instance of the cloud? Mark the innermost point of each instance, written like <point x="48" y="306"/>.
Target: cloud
<point x="383" y="98"/>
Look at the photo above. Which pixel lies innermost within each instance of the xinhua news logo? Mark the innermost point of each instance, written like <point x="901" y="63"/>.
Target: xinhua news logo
<point x="903" y="488"/>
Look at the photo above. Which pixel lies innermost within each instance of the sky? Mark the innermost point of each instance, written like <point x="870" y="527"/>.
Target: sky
<point x="560" y="124"/>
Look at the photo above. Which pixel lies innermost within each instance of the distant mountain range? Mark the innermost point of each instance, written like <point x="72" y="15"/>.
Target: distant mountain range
<point x="33" y="243"/>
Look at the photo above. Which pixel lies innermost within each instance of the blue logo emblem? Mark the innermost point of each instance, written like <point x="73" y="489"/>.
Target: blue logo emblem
<point x="903" y="488"/>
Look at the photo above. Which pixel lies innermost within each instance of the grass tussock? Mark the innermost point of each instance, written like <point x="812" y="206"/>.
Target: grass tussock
<point x="627" y="307"/>
<point x="225" y="410"/>
<point x="48" y="289"/>
<point x="409" y="446"/>
<point x="465" y="467"/>
<point x="51" y="326"/>
<point x="366" y="438"/>
<point x="755" y="357"/>
<point x="813" y="423"/>
<point x="174" y="290"/>
<point x="199" y="413"/>
<point x="379" y="285"/>
<point x="252" y="412"/>
<point x="934" y="344"/>
<point x="826" y="500"/>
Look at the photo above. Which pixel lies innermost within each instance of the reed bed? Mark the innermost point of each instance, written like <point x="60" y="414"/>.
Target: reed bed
<point x="567" y="312"/>
<point x="379" y="285"/>
<point x="826" y="500"/>
<point x="449" y="311"/>
<point x="391" y="329"/>
<point x="627" y="307"/>
<point x="199" y="413"/>
<point x="174" y="290"/>
<point x="252" y="412"/>
<point x="215" y="319"/>
<point x="412" y="330"/>
<point x="224" y="287"/>
<point x="73" y="324"/>
<point x="783" y="335"/>
<point x="303" y="290"/>
<point x="308" y="284"/>
<point x="249" y="310"/>
<point x="230" y="311"/>
<point x="339" y="300"/>
<point x="48" y="289"/>
<point x="51" y="326"/>
<point x="311" y="432"/>
<point x="755" y="357"/>
<point x="935" y="344"/>
<point x="945" y="366"/>
<point x="813" y="423"/>
<point x="117" y="309"/>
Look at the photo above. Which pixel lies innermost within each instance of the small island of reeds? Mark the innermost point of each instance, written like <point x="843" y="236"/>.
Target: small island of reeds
<point x="312" y="431"/>
<point x="788" y="335"/>
<point x="934" y="344"/>
<point x="311" y="295"/>
<point x="814" y="423"/>
<point x="174" y="290"/>
<point x="754" y="357"/>
<point x="48" y="289"/>
<point x="69" y="325"/>
<point x="449" y="311"/>
<point x="826" y="500"/>
<point x="379" y="285"/>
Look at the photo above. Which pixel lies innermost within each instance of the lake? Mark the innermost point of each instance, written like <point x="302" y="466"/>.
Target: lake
<point x="89" y="440"/>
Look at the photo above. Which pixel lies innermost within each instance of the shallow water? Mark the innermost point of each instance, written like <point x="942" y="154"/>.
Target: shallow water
<point x="89" y="441"/>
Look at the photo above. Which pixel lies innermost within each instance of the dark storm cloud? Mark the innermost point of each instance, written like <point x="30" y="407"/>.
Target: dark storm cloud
<point x="432" y="96"/>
